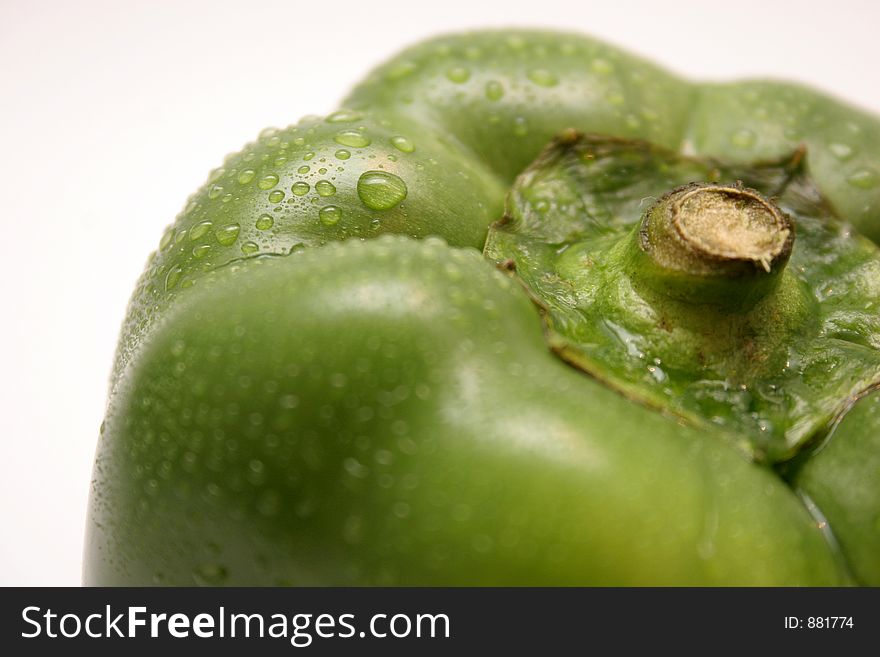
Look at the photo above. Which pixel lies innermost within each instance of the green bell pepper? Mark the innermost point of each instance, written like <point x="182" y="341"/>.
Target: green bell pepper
<point x="660" y="370"/>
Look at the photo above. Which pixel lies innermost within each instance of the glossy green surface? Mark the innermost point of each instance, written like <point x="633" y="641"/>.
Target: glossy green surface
<point x="388" y="413"/>
<point x="843" y="479"/>
<point x="287" y="410"/>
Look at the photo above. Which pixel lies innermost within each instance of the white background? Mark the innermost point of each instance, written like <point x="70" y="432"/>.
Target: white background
<point x="112" y="113"/>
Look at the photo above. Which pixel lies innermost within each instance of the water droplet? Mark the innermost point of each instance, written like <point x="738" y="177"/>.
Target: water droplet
<point x="304" y="169"/>
<point x="308" y="156"/>
<point x="210" y="575"/>
<point x="380" y="190"/>
<point x="601" y="66"/>
<point x="246" y="176"/>
<point x="353" y="529"/>
<point x="473" y="52"/>
<point x="458" y="74"/>
<point x="344" y="116"/>
<point x="330" y="215"/>
<point x="863" y="178"/>
<point x="352" y="138"/>
<point x="276" y="196"/>
<point x="172" y="277"/>
<point x="249" y="248"/>
<point x="278" y="161"/>
<point x="743" y="138"/>
<point x="269" y="503"/>
<point x="840" y="151"/>
<point x="265" y="222"/>
<point x="342" y="154"/>
<point x="543" y="78"/>
<point x="165" y="242"/>
<point x="401" y="70"/>
<point x="199" y="230"/>
<point x="201" y="250"/>
<point x="227" y="234"/>
<point x="325" y="188"/>
<point x="355" y="468"/>
<point x="520" y="127"/>
<point x="215" y="191"/>
<point x="494" y="90"/>
<point x="268" y="181"/>
<point x="300" y="188"/>
<point x="402" y="144"/>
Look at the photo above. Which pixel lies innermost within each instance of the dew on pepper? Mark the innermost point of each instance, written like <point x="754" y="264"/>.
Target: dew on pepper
<point x="352" y="138"/>
<point x="380" y="190"/>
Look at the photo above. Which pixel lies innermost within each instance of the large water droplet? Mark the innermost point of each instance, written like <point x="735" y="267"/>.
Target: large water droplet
<point x="325" y="188"/>
<point x="300" y="188"/>
<point x="863" y="178"/>
<point x="473" y="53"/>
<point x="265" y="222"/>
<point x="401" y="70"/>
<point x="494" y="90"/>
<point x="249" y="248"/>
<point x="227" y="234"/>
<point x="543" y="78"/>
<point x="344" y="116"/>
<point x="215" y="191"/>
<point x="199" y="230"/>
<point x="840" y="151"/>
<point x="352" y="138"/>
<point x="342" y="154"/>
<point x="601" y="66"/>
<point x="402" y="144"/>
<point x="458" y="74"/>
<point x="330" y="215"/>
<point x="380" y="190"/>
<point x="268" y="181"/>
<point x="210" y="575"/>
<point x="743" y="138"/>
<point x="172" y="277"/>
<point x="246" y="176"/>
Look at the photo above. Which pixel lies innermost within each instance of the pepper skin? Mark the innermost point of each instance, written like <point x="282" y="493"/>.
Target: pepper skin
<point x="321" y="381"/>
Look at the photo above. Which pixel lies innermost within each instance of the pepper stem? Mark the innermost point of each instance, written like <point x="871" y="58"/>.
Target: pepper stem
<point x="710" y="243"/>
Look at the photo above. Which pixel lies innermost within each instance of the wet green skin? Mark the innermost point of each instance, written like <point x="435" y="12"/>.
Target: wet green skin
<point x="773" y="367"/>
<point x="843" y="478"/>
<point x="389" y="412"/>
